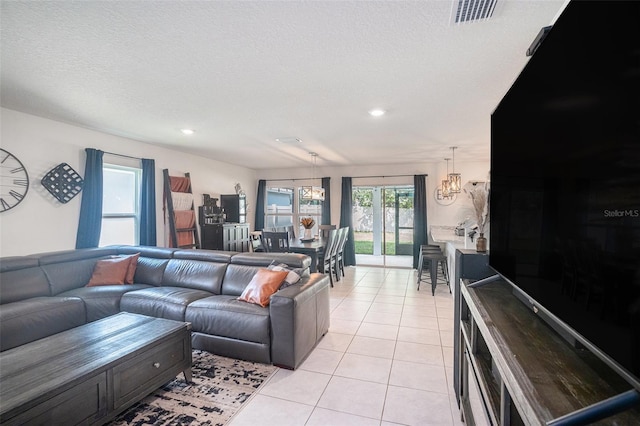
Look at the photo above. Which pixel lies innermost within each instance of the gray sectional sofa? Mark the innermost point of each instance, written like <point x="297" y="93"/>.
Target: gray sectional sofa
<point x="44" y="294"/>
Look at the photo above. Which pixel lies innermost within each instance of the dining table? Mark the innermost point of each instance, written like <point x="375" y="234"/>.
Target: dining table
<point x="313" y="249"/>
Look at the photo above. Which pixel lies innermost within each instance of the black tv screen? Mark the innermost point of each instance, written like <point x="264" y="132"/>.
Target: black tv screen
<point x="565" y="177"/>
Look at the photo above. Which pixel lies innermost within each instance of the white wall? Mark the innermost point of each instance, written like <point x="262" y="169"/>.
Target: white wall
<point x="40" y="223"/>
<point x="436" y="214"/>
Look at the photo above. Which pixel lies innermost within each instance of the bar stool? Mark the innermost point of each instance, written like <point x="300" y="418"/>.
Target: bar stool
<point x="435" y="259"/>
<point x="422" y="263"/>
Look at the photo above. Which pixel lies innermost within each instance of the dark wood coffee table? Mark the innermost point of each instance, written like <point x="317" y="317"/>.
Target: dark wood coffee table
<point x="91" y="373"/>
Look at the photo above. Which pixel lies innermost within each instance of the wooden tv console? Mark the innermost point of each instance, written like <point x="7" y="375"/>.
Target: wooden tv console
<point x="517" y="370"/>
<point x="91" y="373"/>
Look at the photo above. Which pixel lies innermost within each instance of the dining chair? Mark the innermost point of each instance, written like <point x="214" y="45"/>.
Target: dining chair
<point x="324" y="230"/>
<point x="328" y="258"/>
<point x="255" y="240"/>
<point x="342" y="241"/>
<point x="292" y="232"/>
<point x="256" y="245"/>
<point x="275" y="242"/>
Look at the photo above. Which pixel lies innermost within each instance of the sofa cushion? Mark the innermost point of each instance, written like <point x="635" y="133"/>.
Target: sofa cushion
<point x="195" y="274"/>
<point x="109" y="271"/>
<point x="74" y="255"/>
<point x="70" y="269"/>
<point x="28" y="320"/>
<point x="236" y="279"/>
<point x="102" y="301"/>
<point x="150" y="271"/>
<point x="25" y="281"/>
<point x="69" y="275"/>
<point x="206" y="255"/>
<point x="13" y="263"/>
<point x="161" y="302"/>
<point x="147" y="251"/>
<point x="233" y="318"/>
<point x="294" y="260"/>
<point x="263" y="284"/>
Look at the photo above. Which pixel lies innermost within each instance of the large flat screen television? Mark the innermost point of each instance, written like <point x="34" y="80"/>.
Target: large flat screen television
<point x="565" y="179"/>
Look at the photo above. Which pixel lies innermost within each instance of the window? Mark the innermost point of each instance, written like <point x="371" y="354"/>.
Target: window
<point x="279" y="210"/>
<point x="120" y="205"/>
<point x="285" y="207"/>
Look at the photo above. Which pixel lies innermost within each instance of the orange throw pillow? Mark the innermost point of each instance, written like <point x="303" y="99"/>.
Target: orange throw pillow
<point x="263" y="284"/>
<point x="131" y="270"/>
<point x="109" y="271"/>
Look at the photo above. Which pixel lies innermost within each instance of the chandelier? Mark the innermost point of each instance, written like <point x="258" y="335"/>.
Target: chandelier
<point x="455" y="180"/>
<point x="313" y="192"/>
<point x="446" y="184"/>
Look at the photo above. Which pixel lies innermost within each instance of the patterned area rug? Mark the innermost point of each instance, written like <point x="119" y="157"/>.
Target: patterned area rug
<point x="220" y="386"/>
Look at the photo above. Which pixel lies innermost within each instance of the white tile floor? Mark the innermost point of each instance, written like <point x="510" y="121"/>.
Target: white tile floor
<point x="387" y="360"/>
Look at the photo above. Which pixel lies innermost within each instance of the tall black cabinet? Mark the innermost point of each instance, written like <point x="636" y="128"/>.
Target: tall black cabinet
<point x="234" y="207"/>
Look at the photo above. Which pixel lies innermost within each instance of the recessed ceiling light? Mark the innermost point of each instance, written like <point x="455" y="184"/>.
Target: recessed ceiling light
<point x="377" y="112"/>
<point x="187" y="131"/>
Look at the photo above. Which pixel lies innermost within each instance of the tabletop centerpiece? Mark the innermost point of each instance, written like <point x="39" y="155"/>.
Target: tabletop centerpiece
<point x="479" y="195"/>
<point x="308" y="223"/>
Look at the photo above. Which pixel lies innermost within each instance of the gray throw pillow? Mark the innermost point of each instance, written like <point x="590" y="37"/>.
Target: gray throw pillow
<point x="293" y="275"/>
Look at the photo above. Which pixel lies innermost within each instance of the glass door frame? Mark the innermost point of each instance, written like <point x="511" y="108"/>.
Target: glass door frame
<point x="379" y="226"/>
<point x="402" y="249"/>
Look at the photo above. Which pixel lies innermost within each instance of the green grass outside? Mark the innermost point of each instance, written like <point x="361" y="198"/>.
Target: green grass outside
<point x="366" y="247"/>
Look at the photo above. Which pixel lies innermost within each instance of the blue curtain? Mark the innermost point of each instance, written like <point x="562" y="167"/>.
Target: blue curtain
<point x="420" y="236"/>
<point x="346" y="219"/>
<point x="148" y="203"/>
<point x="262" y="191"/>
<point x="90" y="220"/>
<point x="326" y="204"/>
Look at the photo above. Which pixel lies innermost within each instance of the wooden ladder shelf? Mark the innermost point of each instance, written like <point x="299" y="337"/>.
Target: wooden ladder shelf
<point x="180" y="212"/>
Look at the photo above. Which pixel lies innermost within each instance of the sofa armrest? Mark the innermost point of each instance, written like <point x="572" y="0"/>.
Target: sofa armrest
<point x="299" y="316"/>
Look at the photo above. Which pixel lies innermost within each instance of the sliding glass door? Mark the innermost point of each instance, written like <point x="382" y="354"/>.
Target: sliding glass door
<point x="400" y="209"/>
<point x="383" y="225"/>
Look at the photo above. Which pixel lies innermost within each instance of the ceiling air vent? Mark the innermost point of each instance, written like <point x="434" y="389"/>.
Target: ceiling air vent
<point x="472" y="10"/>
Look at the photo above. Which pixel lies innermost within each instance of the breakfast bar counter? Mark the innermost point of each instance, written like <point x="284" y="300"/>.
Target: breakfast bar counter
<point x="447" y="234"/>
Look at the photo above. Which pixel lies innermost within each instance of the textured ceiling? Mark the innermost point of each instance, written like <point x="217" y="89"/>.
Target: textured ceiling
<point x="242" y="74"/>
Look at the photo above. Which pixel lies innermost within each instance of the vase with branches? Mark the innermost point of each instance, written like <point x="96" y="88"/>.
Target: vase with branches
<point x="479" y="195"/>
<point x="308" y="223"/>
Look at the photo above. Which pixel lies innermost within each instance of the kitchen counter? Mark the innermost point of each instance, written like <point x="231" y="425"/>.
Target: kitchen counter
<point x="446" y="237"/>
<point x="447" y="234"/>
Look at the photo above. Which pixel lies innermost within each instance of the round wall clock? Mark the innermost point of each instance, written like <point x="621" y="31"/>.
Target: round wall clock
<point x="15" y="181"/>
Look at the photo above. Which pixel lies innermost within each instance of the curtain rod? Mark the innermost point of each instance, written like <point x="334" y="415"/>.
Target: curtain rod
<point x="292" y="180"/>
<point x="122" y="155"/>
<point x="357" y="177"/>
<point x="385" y="176"/>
